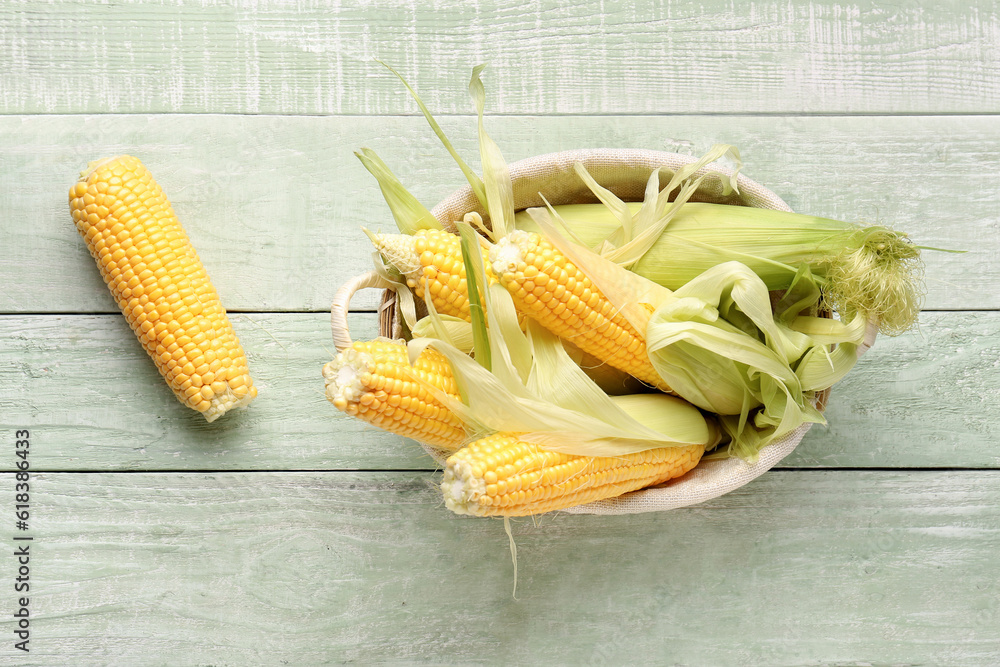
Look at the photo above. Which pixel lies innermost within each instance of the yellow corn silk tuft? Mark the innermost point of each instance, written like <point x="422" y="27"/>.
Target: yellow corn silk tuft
<point x="551" y="290"/>
<point x="501" y="475"/>
<point x="160" y="285"/>
<point x="374" y="381"/>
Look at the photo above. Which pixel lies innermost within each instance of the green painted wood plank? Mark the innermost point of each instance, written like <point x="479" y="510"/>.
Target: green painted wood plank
<point x="94" y="401"/>
<point x="805" y="568"/>
<point x="820" y="56"/>
<point x="274" y="204"/>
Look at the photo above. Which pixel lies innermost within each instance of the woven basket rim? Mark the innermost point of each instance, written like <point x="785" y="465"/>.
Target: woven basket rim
<point x="640" y="160"/>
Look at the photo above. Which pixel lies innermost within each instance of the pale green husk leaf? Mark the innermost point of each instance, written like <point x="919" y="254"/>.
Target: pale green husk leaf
<point x="404" y="297"/>
<point x="410" y="214"/>
<point x="491" y="406"/>
<point x="734" y="373"/>
<point x="496" y="175"/>
<point x="661" y="205"/>
<point x="474" y="181"/>
<point x="452" y="330"/>
<point x="472" y="259"/>
<point x="616" y="206"/>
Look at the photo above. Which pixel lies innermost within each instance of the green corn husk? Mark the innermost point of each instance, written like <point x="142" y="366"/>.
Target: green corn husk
<point x="870" y="270"/>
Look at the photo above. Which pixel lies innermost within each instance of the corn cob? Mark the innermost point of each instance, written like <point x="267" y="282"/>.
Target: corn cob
<point x="501" y="475"/>
<point x="160" y="285"/>
<point x="550" y="289"/>
<point x="431" y="261"/>
<point x="374" y="381"/>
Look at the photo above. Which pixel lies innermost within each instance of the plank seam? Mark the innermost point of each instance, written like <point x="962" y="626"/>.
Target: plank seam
<point x="635" y="114"/>
<point x="179" y="471"/>
<point x="359" y="311"/>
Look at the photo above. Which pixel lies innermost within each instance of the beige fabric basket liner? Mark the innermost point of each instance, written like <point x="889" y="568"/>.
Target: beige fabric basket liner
<point x="624" y="172"/>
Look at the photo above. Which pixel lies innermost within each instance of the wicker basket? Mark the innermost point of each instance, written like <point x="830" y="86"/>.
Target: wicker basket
<point x="625" y="173"/>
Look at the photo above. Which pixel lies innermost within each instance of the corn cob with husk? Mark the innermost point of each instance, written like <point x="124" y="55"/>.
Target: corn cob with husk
<point x="431" y="262"/>
<point x="502" y="475"/>
<point x="550" y="289"/>
<point x="868" y="269"/>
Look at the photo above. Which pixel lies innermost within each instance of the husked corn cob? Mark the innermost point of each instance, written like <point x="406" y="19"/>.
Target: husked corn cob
<point x="374" y="381"/>
<point x="431" y="260"/>
<point x="160" y="285"/>
<point x="550" y="289"/>
<point x="501" y="475"/>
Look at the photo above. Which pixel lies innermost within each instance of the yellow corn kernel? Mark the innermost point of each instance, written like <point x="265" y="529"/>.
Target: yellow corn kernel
<point x="161" y="288"/>
<point x="551" y="290"/>
<point x="374" y="381"/>
<point x="501" y="475"/>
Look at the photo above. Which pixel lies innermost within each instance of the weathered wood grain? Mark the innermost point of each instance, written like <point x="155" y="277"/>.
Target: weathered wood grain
<point x="926" y="398"/>
<point x="319" y="540"/>
<point x="94" y="401"/>
<point x="275" y="204"/>
<point x="819" y="56"/>
<point x="328" y="568"/>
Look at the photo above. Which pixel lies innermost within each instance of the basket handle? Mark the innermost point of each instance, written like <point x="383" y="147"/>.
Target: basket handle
<point x="342" y="302"/>
<point x="871" y="331"/>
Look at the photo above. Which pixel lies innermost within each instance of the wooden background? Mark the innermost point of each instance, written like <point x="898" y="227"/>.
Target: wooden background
<point x="289" y="535"/>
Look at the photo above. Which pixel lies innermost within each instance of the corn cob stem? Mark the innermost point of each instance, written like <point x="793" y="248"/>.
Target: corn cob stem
<point x="501" y="475"/>
<point x="160" y="285"/>
<point x="374" y="381"/>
